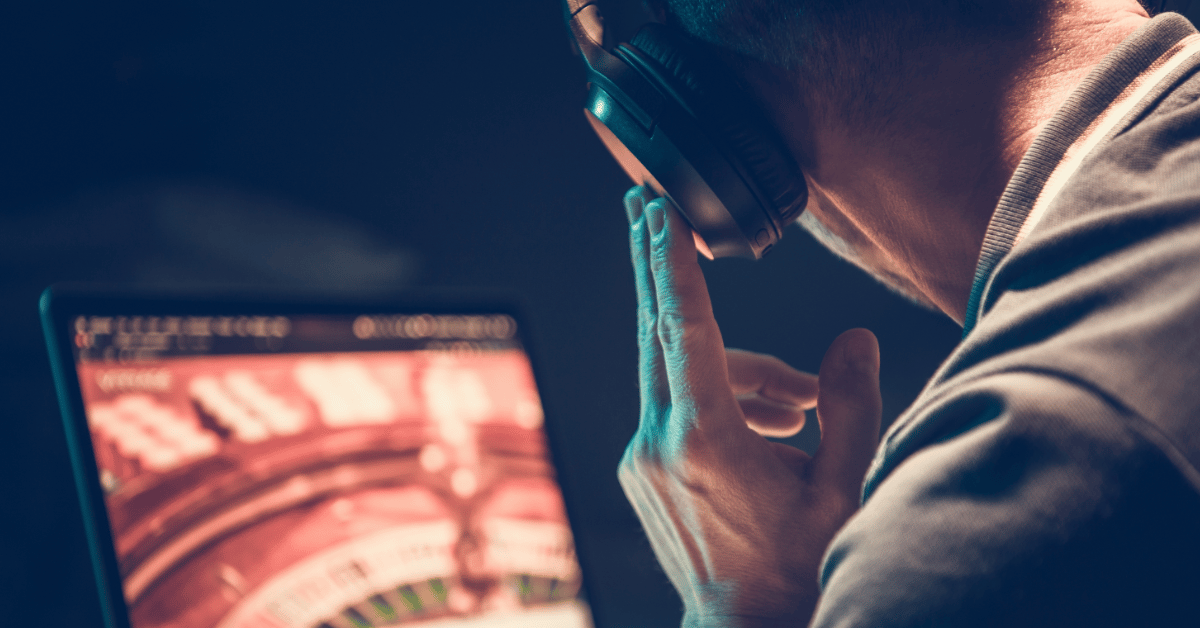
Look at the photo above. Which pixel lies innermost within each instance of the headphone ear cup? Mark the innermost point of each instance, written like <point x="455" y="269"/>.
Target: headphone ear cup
<point x="703" y="85"/>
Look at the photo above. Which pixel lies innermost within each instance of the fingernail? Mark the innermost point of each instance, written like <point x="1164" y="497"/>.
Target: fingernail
<point x="635" y="202"/>
<point x="656" y="216"/>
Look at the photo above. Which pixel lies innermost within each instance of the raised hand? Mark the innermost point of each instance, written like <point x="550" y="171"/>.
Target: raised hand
<point x="738" y="522"/>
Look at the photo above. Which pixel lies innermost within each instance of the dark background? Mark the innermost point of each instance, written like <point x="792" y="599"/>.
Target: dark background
<point x="360" y="147"/>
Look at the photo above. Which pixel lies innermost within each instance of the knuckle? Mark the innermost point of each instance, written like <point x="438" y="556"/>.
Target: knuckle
<point x="691" y="462"/>
<point x="680" y="339"/>
<point x="698" y="444"/>
<point x="642" y="450"/>
<point x="637" y="242"/>
<point x="647" y="325"/>
<point x="636" y="461"/>
<point x="629" y="475"/>
<point x="660" y="254"/>
<point x="651" y="451"/>
<point x="674" y="329"/>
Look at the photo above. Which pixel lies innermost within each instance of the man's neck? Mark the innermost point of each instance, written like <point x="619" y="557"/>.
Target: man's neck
<point x="914" y="196"/>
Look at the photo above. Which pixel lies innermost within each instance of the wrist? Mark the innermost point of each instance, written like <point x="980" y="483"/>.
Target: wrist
<point x="778" y="604"/>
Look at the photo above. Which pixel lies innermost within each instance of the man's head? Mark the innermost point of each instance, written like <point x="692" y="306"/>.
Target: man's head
<point x="854" y="53"/>
<point x="908" y="117"/>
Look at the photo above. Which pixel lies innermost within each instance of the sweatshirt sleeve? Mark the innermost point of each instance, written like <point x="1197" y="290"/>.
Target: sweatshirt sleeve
<point x="1047" y="506"/>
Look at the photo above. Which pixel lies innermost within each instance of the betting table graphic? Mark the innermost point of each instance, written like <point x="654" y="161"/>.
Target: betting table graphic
<point x="277" y="488"/>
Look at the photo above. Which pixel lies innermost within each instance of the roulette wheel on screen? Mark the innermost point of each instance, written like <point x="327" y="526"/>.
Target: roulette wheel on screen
<point x="265" y="503"/>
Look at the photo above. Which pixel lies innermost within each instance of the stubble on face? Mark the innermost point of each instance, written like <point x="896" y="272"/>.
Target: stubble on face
<point x="842" y="248"/>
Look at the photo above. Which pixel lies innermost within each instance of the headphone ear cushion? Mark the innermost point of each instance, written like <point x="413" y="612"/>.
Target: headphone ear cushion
<point x="704" y="85"/>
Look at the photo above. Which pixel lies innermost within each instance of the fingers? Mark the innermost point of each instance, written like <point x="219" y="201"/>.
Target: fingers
<point x="771" y="418"/>
<point x="693" y="353"/>
<point x="770" y="377"/>
<point x="773" y="396"/>
<point x="652" y="376"/>
<point x="848" y="409"/>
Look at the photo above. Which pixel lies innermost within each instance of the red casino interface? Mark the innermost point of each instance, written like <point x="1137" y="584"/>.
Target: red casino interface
<point x="327" y="472"/>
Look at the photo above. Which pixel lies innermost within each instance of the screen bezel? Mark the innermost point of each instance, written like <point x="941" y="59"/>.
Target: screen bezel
<point x="61" y="304"/>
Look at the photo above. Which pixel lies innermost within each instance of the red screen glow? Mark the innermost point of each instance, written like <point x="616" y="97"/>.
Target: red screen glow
<point x="332" y="490"/>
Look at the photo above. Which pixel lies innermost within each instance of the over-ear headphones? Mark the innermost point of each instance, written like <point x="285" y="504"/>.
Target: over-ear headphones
<point x="678" y="121"/>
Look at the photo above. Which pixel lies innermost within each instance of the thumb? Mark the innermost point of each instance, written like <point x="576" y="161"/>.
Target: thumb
<point x="848" y="410"/>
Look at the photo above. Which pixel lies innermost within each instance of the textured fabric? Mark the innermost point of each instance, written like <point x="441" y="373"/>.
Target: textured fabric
<point x="1115" y="74"/>
<point x="1047" y="475"/>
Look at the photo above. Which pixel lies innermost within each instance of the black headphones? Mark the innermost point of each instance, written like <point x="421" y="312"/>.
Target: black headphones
<point x="678" y="122"/>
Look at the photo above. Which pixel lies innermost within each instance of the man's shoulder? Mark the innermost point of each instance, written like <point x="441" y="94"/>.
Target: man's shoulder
<point x="1051" y="507"/>
<point x="1101" y="302"/>
<point x="1107" y="286"/>
<point x="1105" y="291"/>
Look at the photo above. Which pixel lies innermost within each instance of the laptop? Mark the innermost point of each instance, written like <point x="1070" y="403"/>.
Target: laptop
<point x="254" y="462"/>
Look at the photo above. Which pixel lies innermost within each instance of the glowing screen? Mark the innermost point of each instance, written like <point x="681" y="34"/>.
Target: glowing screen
<point x="327" y="472"/>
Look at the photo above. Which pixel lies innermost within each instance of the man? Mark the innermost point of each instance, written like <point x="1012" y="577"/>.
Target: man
<point x="1029" y="167"/>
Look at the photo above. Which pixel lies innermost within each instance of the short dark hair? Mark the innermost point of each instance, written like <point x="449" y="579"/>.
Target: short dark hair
<point x="851" y="49"/>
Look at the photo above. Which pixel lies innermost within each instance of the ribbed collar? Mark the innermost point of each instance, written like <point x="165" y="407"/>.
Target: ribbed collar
<point x="1115" y="93"/>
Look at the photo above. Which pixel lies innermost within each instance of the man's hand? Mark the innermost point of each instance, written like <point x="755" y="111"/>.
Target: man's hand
<point x="738" y="522"/>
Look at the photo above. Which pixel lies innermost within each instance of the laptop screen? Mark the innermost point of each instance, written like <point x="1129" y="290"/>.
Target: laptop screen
<point x="326" y="471"/>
